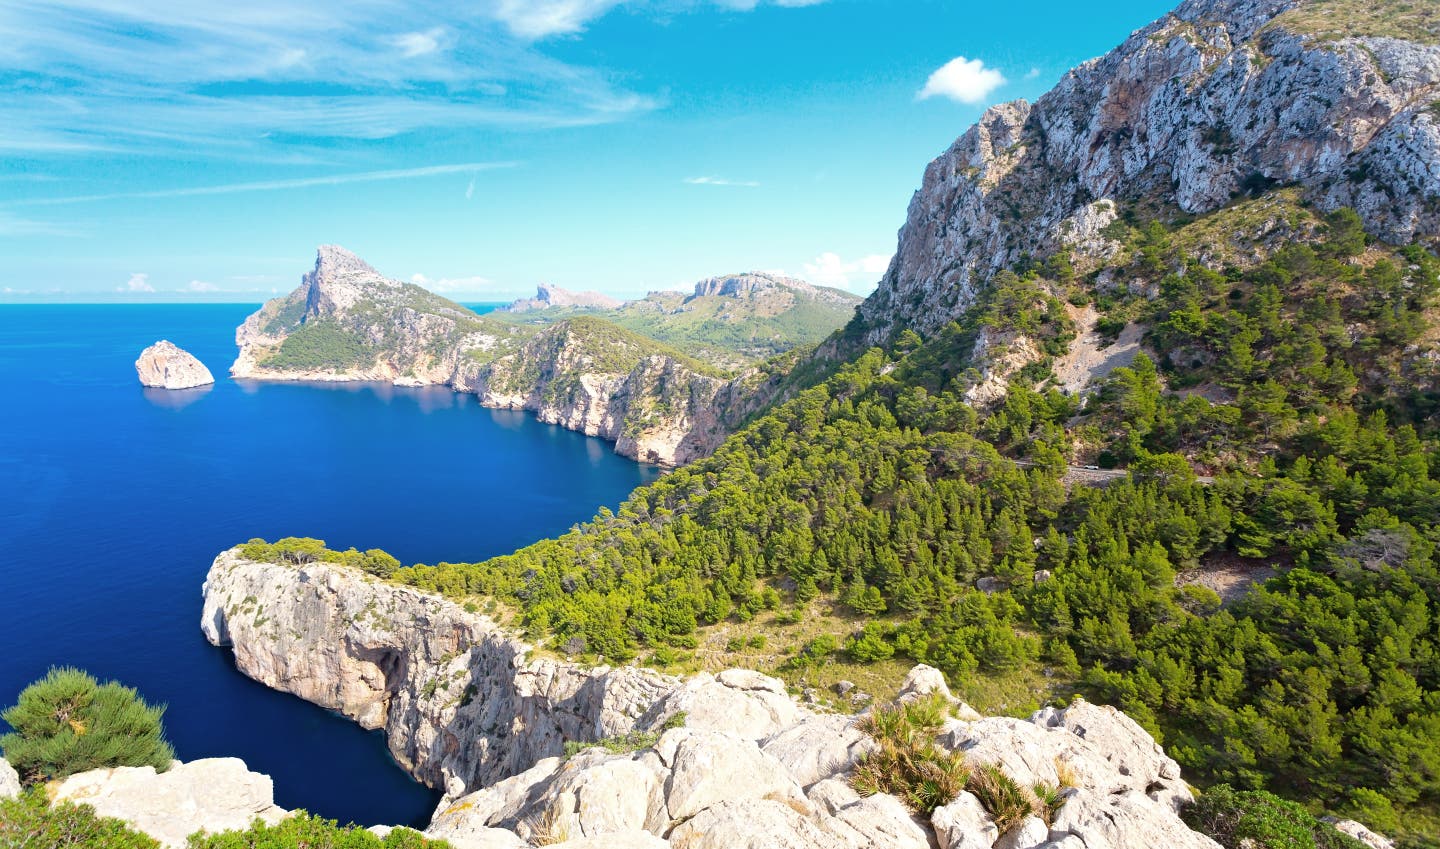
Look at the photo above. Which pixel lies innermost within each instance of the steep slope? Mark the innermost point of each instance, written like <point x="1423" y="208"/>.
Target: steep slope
<point x="730" y="321"/>
<point x="347" y="322"/>
<point x="915" y="503"/>
<point x="1219" y="99"/>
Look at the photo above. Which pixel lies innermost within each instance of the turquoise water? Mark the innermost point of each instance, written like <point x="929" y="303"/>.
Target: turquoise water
<point x="114" y="499"/>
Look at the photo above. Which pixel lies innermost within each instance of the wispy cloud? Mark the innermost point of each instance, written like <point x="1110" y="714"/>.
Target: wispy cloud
<point x="963" y="80"/>
<point x="16" y="226"/>
<point x="828" y="269"/>
<point x="88" y="77"/>
<point x="201" y="286"/>
<point x="280" y="185"/>
<point x="720" y="181"/>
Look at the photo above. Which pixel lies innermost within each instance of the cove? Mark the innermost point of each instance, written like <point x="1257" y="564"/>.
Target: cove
<point x="115" y="499"/>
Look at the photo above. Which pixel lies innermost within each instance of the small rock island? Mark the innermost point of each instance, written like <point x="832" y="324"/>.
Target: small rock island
<point x="165" y="365"/>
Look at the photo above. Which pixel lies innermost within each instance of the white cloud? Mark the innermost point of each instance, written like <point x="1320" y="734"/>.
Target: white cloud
<point x="415" y="44"/>
<point x="201" y="286"/>
<point x="539" y="18"/>
<point x="138" y="282"/>
<point x="720" y="181"/>
<point x="963" y="80"/>
<point x="470" y="189"/>
<point x="1032" y="74"/>
<point x="828" y="269"/>
<point x="278" y="185"/>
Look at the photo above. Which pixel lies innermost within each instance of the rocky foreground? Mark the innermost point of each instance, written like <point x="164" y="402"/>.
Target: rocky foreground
<point x="165" y="365"/>
<point x="735" y="761"/>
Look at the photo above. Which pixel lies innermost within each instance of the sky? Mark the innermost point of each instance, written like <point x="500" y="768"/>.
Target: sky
<point x="187" y="149"/>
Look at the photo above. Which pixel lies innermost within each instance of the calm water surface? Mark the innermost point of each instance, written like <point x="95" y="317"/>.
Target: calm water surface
<point x="114" y="500"/>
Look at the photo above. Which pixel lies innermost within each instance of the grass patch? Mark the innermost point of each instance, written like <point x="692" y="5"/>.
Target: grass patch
<point x="1332" y="20"/>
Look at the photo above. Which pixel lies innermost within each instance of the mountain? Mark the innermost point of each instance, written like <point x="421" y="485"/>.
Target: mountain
<point x="730" y="321"/>
<point x="348" y="322"/>
<point x="1217" y="101"/>
<point x="554" y="297"/>
<point x="1206" y="263"/>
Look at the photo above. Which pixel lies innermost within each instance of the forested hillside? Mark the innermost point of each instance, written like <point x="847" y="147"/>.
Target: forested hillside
<point x="884" y="492"/>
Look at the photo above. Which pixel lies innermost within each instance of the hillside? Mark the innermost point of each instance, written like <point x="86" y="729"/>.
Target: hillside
<point x="1224" y="295"/>
<point x="730" y="321"/>
<point x="347" y="322"/>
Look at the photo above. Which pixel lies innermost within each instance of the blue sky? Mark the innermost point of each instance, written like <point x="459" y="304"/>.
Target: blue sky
<point x="178" y="149"/>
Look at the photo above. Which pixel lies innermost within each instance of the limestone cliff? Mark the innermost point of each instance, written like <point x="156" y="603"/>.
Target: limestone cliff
<point x="165" y="365"/>
<point x="347" y="322"/>
<point x="466" y="708"/>
<point x="1220" y="99"/>
<point x="552" y="297"/>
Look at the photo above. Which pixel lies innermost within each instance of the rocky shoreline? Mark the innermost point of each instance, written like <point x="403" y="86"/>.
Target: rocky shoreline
<point x="735" y="760"/>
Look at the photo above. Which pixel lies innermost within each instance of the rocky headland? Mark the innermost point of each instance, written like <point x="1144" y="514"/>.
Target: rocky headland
<point x="713" y="760"/>
<point x="165" y="365"/>
<point x="347" y="322"/>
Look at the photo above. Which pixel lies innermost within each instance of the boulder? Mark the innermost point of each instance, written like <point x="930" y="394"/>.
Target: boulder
<point x="737" y="701"/>
<point x="882" y="820"/>
<point x="597" y="793"/>
<point x="832" y="794"/>
<point x="819" y="747"/>
<point x="613" y="840"/>
<point x="964" y="824"/>
<point x="214" y="795"/>
<point x="754" y="824"/>
<point x="10" y="786"/>
<point x="1126" y="820"/>
<point x="165" y="365"/>
<point x="708" y="767"/>
<point x="1358" y="831"/>
<point x="1029" y="833"/>
<point x="475" y="814"/>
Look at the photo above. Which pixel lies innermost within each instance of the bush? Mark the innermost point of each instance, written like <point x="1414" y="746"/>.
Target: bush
<point x="1261" y="820"/>
<point x="1007" y="801"/>
<point x="304" y="831"/>
<point x="67" y="723"/>
<point x="907" y="763"/>
<point x="32" y="822"/>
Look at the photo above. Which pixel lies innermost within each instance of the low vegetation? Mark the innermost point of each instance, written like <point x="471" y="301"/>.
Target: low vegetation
<point x="1255" y="819"/>
<point x="67" y="722"/>
<point x="634" y="741"/>
<point x="907" y="763"/>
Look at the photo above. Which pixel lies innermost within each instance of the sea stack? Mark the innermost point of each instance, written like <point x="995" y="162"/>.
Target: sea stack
<point x="165" y="365"/>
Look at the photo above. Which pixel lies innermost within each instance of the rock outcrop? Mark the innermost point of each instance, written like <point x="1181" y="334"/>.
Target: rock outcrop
<point x="1218" y="99"/>
<point x="347" y="322"/>
<point x="9" y="780"/>
<point x="554" y="297"/>
<point x="165" y="365"/>
<point x="214" y="795"/>
<point x="733" y="760"/>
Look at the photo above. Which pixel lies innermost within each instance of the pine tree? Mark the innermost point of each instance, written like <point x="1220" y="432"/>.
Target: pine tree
<point x="67" y="722"/>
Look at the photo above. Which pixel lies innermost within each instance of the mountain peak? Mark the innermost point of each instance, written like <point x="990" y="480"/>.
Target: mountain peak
<point x="335" y="261"/>
<point x="548" y="295"/>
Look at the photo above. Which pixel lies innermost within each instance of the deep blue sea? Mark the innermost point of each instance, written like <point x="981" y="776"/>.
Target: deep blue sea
<point x="114" y="500"/>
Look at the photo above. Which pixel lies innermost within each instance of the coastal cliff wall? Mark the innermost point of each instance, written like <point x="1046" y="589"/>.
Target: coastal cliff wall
<point x="346" y="322"/>
<point x="460" y="701"/>
<point x="732" y="759"/>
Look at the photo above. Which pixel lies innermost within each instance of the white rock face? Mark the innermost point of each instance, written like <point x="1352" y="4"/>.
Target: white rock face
<point x="166" y="366"/>
<point x="216" y="794"/>
<point x="9" y="780"/>
<point x="1201" y="105"/>
<point x="1373" y="839"/>
<point x="749" y="768"/>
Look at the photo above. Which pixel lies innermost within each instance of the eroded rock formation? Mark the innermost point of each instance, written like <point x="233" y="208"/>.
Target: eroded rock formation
<point x="165" y="365"/>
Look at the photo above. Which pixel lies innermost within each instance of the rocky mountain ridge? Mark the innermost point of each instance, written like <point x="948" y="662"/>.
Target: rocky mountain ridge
<point x="735" y="761"/>
<point x="1218" y="100"/>
<point x="552" y="297"/>
<point x="348" y="322"/>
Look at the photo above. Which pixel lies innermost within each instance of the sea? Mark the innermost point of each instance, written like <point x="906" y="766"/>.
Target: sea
<point x="114" y="500"/>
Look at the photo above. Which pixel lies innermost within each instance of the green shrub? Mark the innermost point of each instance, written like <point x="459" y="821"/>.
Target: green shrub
<point x="30" y="821"/>
<point x="305" y="831"/>
<point x="1261" y="820"/>
<point x="907" y="763"/>
<point x="67" y="723"/>
<point x="1007" y="801"/>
